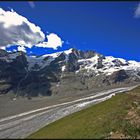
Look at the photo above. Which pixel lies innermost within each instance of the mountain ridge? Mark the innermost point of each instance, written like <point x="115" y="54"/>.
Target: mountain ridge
<point x="58" y="72"/>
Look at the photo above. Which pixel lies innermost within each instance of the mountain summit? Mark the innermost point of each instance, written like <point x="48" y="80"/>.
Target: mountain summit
<point x="68" y="72"/>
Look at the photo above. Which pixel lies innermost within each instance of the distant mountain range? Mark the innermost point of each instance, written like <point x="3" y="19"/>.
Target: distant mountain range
<point x="68" y="72"/>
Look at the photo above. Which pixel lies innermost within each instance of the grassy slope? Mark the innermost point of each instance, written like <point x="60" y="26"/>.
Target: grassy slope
<point x="118" y="117"/>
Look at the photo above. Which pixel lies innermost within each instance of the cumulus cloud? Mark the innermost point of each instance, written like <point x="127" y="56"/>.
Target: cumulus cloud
<point x="21" y="48"/>
<point x="137" y="11"/>
<point x="54" y="41"/>
<point x="18" y="30"/>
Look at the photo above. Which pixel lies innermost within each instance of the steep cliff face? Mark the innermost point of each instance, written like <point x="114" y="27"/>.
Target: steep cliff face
<point x="63" y="72"/>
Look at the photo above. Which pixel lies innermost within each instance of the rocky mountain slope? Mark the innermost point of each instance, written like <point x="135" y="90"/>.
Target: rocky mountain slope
<point x="68" y="72"/>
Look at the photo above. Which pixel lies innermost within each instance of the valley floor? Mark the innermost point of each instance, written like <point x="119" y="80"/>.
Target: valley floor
<point x="118" y="117"/>
<point x="9" y="107"/>
<point x="25" y="123"/>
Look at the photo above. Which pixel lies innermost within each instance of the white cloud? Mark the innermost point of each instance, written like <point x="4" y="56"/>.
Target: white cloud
<point x="137" y="11"/>
<point x="3" y="48"/>
<point x="54" y="41"/>
<point x="30" y="52"/>
<point x="14" y="50"/>
<point x="9" y="51"/>
<point x="32" y="4"/>
<point x="21" y="48"/>
<point x="67" y="42"/>
<point x="17" y="30"/>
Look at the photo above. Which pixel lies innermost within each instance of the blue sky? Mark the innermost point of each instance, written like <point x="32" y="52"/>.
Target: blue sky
<point x="109" y="28"/>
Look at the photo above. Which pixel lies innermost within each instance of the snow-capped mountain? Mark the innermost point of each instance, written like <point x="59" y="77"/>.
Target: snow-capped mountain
<point x="79" y="70"/>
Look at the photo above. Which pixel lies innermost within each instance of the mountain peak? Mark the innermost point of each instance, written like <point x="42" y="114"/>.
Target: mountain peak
<point x="71" y="64"/>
